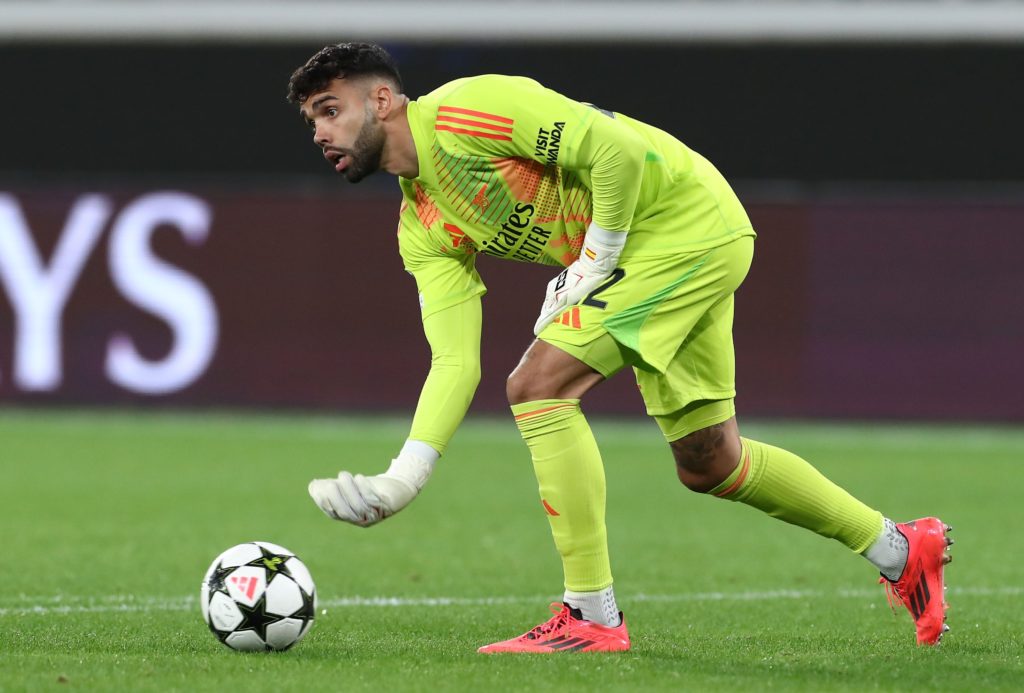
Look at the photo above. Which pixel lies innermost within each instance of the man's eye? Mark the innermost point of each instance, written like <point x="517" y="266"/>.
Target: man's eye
<point x="332" y="112"/>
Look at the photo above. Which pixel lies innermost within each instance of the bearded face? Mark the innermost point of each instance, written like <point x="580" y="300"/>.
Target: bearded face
<point x="346" y="128"/>
<point x="365" y="154"/>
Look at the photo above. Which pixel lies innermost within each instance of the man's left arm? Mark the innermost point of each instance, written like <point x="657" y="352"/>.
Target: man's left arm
<point x="614" y="155"/>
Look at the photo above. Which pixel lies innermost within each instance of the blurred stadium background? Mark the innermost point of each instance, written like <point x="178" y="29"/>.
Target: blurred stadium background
<point x="169" y="237"/>
<point x="172" y="242"/>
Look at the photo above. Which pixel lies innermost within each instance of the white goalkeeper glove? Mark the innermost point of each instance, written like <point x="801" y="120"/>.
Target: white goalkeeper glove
<point x="366" y="500"/>
<point x="598" y="257"/>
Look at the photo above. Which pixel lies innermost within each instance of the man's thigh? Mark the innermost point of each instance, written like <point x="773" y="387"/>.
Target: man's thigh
<point x="702" y="371"/>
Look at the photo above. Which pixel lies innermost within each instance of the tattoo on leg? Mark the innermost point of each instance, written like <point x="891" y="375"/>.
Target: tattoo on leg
<point x="696" y="452"/>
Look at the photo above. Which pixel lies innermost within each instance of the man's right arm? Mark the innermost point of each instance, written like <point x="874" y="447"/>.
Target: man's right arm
<point x="450" y="291"/>
<point x="454" y="337"/>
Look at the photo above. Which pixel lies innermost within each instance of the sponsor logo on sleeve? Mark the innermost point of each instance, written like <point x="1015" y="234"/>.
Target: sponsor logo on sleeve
<point x="549" y="140"/>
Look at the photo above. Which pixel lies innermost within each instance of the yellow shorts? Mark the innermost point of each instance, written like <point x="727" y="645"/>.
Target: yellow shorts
<point x="670" y="318"/>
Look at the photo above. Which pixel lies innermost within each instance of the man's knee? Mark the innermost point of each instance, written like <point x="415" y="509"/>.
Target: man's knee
<point x="546" y="372"/>
<point x="705" y="458"/>
<point x="521" y="386"/>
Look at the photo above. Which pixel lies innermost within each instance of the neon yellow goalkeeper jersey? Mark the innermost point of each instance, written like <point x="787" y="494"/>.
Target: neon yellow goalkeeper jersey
<point x="512" y="169"/>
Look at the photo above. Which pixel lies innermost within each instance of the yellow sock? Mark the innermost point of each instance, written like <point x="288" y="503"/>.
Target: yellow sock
<point x="572" y="487"/>
<point x="785" y="486"/>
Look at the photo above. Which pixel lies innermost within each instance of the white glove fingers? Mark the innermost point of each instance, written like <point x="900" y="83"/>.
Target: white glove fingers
<point x="325" y="494"/>
<point x="361" y="510"/>
<point x="317" y="495"/>
<point x="554" y="303"/>
<point x="366" y="490"/>
<point x="372" y="497"/>
<point x="366" y="500"/>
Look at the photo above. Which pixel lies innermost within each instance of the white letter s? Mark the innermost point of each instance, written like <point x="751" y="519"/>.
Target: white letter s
<point x="164" y="290"/>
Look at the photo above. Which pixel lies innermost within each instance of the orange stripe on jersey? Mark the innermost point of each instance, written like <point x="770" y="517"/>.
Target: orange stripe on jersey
<point x="576" y="317"/>
<point x="474" y="123"/>
<point x="478" y="114"/>
<point x="473" y="133"/>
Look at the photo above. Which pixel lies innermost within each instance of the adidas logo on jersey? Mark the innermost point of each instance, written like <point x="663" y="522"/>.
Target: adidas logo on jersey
<point x="570" y="318"/>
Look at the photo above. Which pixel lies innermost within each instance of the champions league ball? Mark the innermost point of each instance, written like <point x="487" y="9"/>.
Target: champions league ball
<point x="258" y="597"/>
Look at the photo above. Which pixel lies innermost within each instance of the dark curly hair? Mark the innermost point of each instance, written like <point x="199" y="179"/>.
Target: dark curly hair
<point x="341" y="60"/>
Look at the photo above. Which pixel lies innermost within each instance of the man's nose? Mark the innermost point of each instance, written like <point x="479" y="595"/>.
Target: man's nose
<point x="320" y="136"/>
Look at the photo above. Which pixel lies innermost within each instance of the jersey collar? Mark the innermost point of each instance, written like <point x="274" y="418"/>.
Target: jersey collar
<point x="422" y="139"/>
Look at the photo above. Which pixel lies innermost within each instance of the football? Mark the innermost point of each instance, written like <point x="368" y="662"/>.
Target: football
<point x="258" y="597"/>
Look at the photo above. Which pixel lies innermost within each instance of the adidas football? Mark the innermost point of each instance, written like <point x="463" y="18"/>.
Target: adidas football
<point x="258" y="596"/>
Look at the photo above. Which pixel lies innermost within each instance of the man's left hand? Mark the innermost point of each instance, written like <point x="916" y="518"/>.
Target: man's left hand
<point x="598" y="257"/>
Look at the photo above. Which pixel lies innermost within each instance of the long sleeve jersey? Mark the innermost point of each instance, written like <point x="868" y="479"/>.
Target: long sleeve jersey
<point x="512" y="169"/>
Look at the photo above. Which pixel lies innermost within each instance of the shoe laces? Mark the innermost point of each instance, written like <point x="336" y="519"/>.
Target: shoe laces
<point x="892" y="594"/>
<point x="556" y="624"/>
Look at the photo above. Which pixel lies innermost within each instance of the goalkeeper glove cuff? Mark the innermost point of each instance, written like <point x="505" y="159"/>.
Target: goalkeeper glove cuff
<point x="601" y="249"/>
<point x="366" y="500"/>
<point x="414" y="464"/>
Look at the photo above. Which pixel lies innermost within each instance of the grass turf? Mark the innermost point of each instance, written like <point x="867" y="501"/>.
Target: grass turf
<point x="109" y="521"/>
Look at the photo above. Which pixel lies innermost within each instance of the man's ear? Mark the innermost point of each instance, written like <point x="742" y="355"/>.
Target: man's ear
<point x="383" y="100"/>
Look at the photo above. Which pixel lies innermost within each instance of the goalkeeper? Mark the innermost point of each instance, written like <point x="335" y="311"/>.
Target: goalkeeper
<point x="653" y="243"/>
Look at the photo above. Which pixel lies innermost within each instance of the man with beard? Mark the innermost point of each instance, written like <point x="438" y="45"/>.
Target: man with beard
<point x="654" y="244"/>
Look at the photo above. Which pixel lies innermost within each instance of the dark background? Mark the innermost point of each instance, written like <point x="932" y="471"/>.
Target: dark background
<point x="810" y="113"/>
<point x="884" y="181"/>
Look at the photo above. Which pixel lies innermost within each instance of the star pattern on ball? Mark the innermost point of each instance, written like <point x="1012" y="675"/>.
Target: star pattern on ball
<point x="256" y="618"/>
<point x="252" y="613"/>
<point x="216" y="581"/>
<point x="273" y="563"/>
<point x="307" y="612"/>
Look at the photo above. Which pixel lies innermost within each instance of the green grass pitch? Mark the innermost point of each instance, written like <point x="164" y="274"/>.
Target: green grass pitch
<point x="109" y="520"/>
